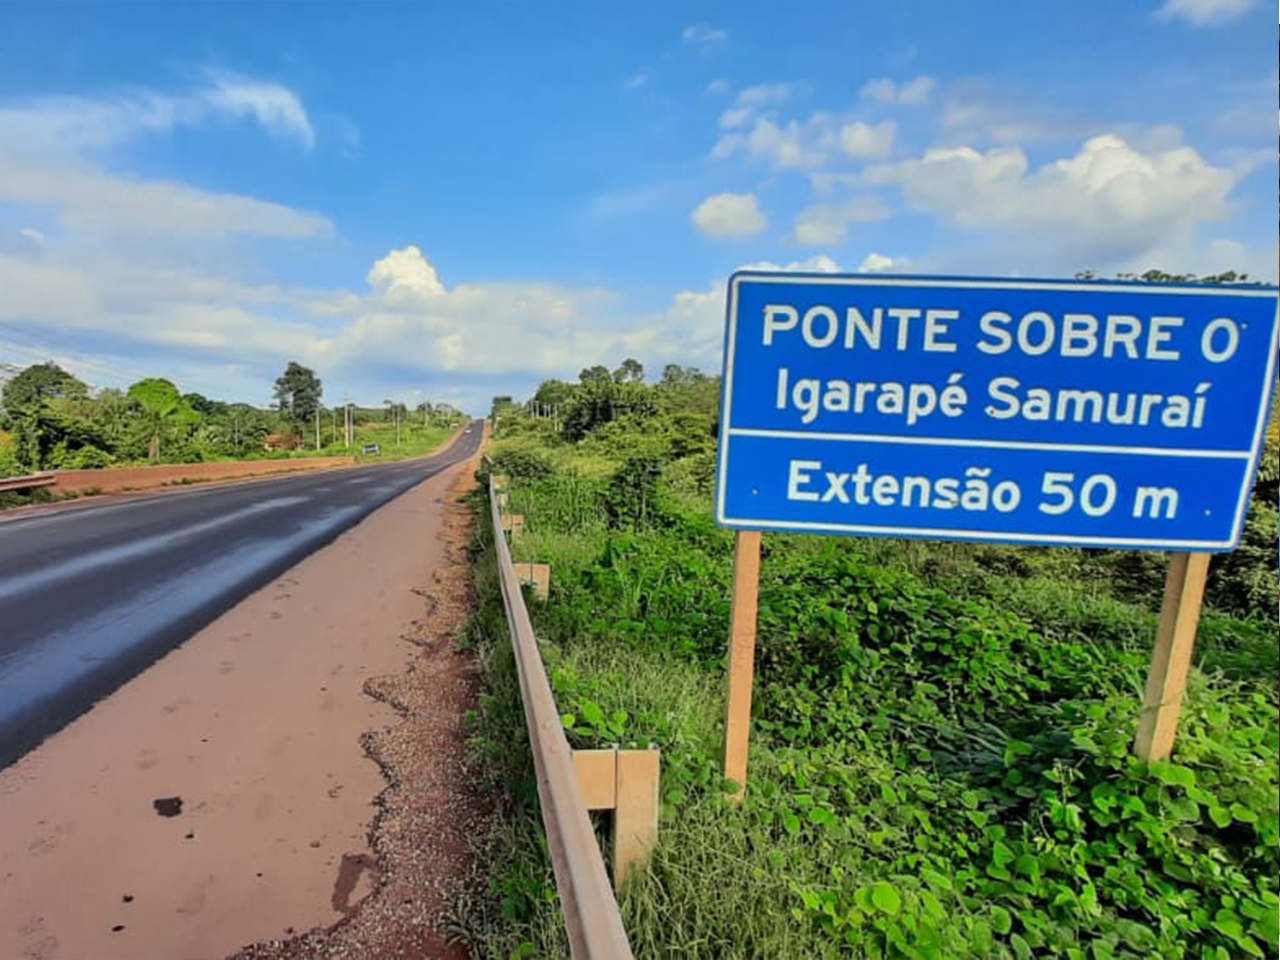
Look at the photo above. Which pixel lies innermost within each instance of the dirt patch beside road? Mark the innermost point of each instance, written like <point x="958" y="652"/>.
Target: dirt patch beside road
<point x="225" y="796"/>
<point x="429" y="808"/>
<point x="111" y="479"/>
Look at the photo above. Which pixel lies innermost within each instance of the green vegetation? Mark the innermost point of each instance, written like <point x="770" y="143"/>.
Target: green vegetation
<point x="940" y="762"/>
<point x="50" y="420"/>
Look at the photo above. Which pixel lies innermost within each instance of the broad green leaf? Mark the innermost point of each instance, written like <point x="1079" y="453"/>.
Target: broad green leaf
<point x="1243" y="813"/>
<point x="1001" y="921"/>
<point x="886" y="898"/>
<point x="1173" y="773"/>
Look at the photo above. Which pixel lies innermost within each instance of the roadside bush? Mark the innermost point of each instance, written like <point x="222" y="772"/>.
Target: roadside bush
<point x="632" y="499"/>
<point x="522" y="463"/>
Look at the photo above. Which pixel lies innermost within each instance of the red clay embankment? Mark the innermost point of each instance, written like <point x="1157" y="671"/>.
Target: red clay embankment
<point x="115" y="479"/>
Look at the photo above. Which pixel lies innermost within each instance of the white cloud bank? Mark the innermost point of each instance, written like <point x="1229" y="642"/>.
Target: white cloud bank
<point x="1108" y="197"/>
<point x="51" y="156"/>
<point x="729" y="216"/>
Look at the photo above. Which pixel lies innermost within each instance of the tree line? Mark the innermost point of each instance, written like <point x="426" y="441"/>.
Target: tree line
<point x="51" y="420"/>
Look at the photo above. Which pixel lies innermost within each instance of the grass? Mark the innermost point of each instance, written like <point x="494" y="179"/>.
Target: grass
<point x="941" y="758"/>
<point x="415" y="441"/>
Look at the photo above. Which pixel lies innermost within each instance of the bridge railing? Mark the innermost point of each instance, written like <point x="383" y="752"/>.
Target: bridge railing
<point x="569" y="783"/>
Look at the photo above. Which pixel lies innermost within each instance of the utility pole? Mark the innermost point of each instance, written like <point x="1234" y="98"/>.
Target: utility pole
<point x="317" y="426"/>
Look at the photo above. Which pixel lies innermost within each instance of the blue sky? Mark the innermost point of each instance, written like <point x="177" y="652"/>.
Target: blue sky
<point x="454" y="200"/>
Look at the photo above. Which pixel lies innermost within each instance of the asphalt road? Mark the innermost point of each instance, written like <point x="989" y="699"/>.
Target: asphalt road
<point x="91" y="596"/>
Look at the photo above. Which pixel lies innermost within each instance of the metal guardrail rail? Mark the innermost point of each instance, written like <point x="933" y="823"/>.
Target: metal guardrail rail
<point x="31" y="480"/>
<point x="591" y="912"/>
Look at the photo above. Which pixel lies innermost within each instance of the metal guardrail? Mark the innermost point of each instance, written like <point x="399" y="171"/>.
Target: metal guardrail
<point x="591" y="912"/>
<point x="31" y="480"/>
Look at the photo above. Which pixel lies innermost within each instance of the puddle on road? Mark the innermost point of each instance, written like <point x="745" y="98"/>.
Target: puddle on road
<point x="167" y="806"/>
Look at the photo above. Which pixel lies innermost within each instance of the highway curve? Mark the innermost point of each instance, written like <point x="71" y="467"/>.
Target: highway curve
<point x="91" y="596"/>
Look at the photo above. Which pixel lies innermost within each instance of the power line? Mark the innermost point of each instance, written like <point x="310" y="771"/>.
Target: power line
<point x="43" y="348"/>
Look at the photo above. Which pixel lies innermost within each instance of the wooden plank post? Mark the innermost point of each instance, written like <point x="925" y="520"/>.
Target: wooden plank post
<point x="742" y="652"/>
<point x="1175" y="637"/>
<point x="538" y="574"/>
<point x="626" y="782"/>
<point x="635" y="812"/>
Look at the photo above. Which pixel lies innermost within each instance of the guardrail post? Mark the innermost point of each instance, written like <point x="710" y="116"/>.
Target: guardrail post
<point x="626" y="782"/>
<point x="513" y="523"/>
<point x="635" y="816"/>
<point x="538" y="574"/>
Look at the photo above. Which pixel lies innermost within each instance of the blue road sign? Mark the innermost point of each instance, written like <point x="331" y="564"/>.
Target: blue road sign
<point x="1080" y="413"/>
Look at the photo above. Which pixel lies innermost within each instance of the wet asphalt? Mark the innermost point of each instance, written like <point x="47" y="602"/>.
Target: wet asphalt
<point x="92" y="595"/>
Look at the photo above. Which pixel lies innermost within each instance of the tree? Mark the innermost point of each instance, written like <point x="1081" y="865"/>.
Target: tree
<point x="502" y="406"/>
<point x="630" y="371"/>
<point x="26" y="393"/>
<point x="164" y="412"/>
<point x="554" y="393"/>
<point x="597" y="374"/>
<point x="204" y="406"/>
<point x="297" y="394"/>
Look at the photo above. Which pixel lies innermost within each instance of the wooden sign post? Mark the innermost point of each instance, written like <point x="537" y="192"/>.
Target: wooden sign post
<point x="1175" y="636"/>
<point x="742" y="654"/>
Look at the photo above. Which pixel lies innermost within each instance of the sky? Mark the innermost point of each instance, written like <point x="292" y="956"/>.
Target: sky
<point x="450" y="201"/>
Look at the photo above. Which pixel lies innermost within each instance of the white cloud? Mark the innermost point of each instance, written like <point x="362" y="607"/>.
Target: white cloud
<point x="786" y="147"/>
<point x="766" y="94"/>
<point x="750" y="127"/>
<point x="911" y="93"/>
<point x="819" y="263"/>
<point x="790" y="146"/>
<point x="703" y="36"/>
<point x="51" y="155"/>
<point x="878" y="263"/>
<point x="827" y="224"/>
<point x="729" y="215"/>
<point x="750" y="100"/>
<point x="1202" y="13"/>
<point x="718" y="86"/>
<point x="32" y="234"/>
<point x="276" y="108"/>
<point x="1109" y="198"/>
<point x="735" y="117"/>
<point x="406" y="271"/>
<point x="860" y="139"/>
<point x="880" y="90"/>
<point x="66" y="123"/>
<point x="636" y="80"/>
<point x="88" y="199"/>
